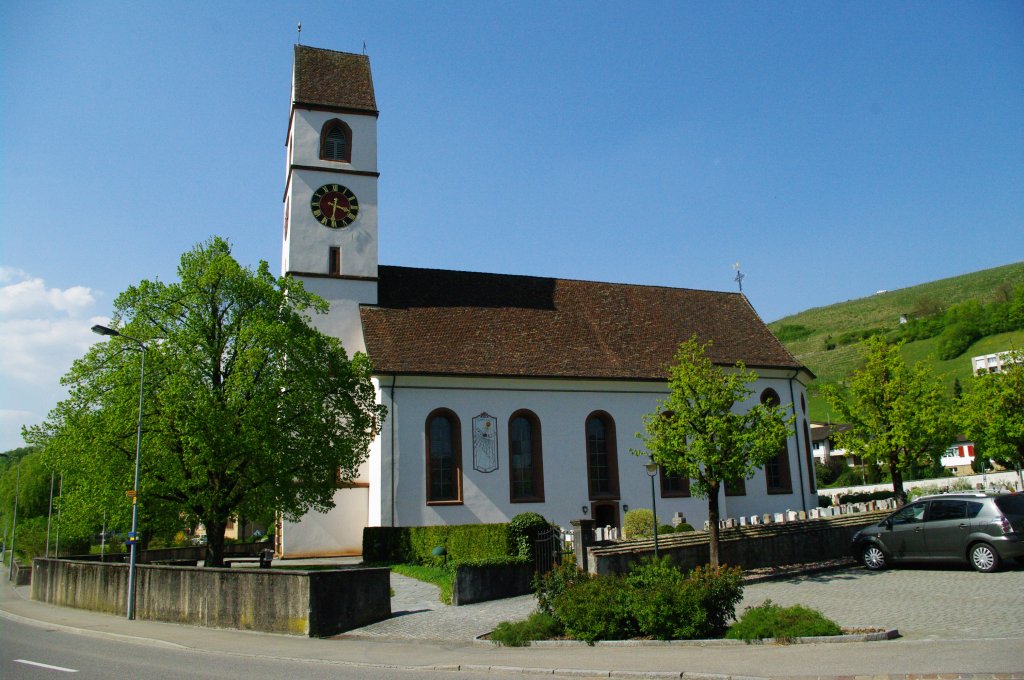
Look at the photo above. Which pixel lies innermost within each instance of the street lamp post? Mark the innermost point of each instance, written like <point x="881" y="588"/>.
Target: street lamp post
<point x="14" y="527"/>
<point x="652" y="472"/>
<point x="133" y="537"/>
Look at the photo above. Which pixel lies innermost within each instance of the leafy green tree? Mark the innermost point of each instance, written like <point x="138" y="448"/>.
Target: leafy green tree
<point x="698" y="431"/>
<point x="899" y="415"/>
<point x="247" y="408"/>
<point x="991" y="412"/>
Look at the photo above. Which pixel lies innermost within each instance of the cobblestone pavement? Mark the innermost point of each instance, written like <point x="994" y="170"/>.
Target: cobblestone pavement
<point x="952" y="603"/>
<point x="949" y="603"/>
<point x="418" y="614"/>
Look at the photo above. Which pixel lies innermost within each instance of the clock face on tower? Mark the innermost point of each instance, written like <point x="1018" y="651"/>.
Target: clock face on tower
<point x="334" y="206"/>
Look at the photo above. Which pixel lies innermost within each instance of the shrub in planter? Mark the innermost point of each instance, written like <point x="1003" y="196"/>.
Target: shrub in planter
<point x="597" y="608"/>
<point x="721" y="590"/>
<point x="670" y="605"/>
<point x="552" y="584"/>
<point x="538" y="626"/>
<point x="769" y="620"/>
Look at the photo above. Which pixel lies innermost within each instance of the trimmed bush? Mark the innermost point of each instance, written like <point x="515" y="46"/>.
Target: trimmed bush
<point x="683" y="527"/>
<point x="638" y="523"/>
<point x="415" y="545"/>
<point x="522" y="533"/>
<point x="769" y="620"/>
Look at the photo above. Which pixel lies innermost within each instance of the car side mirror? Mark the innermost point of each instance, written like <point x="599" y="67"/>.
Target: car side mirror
<point x="888" y="523"/>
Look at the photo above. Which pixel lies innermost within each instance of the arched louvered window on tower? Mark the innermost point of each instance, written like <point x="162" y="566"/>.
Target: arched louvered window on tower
<point x="336" y="141"/>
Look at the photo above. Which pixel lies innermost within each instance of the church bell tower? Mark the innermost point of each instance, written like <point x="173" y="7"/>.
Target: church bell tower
<point x="330" y="200"/>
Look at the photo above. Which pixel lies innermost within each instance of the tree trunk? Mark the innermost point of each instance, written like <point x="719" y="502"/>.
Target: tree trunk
<point x="713" y="525"/>
<point x="214" y="543"/>
<point x="897" y="483"/>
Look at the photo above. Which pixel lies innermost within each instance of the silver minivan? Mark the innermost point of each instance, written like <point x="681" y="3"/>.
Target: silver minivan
<point x="983" y="529"/>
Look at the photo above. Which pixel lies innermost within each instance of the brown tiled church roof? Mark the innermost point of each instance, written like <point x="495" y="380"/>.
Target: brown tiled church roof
<point x="437" y="322"/>
<point x="333" y="79"/>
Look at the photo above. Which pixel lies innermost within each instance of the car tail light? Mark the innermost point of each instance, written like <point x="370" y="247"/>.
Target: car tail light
<point x="1004" y="524"/>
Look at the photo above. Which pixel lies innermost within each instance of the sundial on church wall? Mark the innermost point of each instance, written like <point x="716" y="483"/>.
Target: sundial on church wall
<point x="485" y="443"/>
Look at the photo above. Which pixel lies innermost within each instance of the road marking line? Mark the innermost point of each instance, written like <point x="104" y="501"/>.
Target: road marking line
<point x="46" y="665"/>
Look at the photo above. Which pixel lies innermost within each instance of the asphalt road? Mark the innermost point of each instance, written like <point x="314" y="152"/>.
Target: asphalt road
<point x="31" y="652"/>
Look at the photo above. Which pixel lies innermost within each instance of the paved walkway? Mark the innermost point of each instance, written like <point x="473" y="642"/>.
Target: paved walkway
<point x="418" y="614"/>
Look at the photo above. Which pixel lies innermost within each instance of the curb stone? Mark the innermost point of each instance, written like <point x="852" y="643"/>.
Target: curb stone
<point x="877" y="636"/>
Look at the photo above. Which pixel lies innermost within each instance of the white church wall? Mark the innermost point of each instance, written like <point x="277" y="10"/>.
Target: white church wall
<point x="562" y="408"/>
<point x="336" y="532"/>
<point x="342" y="321"/>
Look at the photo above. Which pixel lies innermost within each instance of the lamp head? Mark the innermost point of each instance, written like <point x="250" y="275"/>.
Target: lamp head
<point x="652" y="468"/>
<point x="103" y="330"/>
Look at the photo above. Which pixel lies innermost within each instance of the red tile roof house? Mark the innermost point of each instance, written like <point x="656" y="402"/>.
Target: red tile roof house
<point x="505" y="393"/>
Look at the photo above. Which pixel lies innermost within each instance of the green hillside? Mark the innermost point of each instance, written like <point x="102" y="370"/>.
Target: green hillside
<point x="824" y="338"/>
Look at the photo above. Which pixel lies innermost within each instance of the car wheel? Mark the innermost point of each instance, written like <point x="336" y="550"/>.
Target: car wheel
<point x="984" y="557"/>
<point x="874" y="558"/>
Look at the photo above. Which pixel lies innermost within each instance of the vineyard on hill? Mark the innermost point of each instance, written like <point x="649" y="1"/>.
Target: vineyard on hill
<point x="946" y="323"/>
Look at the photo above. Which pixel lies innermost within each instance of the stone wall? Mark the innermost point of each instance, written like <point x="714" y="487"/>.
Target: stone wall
<point x="491" y="582"/>
<point x="315" y="603"/>
<point x="749" y="546"/>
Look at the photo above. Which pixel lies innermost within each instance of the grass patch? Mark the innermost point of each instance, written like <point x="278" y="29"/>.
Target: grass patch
<point x="769" y="620"/>
<point x="538" y="626"/>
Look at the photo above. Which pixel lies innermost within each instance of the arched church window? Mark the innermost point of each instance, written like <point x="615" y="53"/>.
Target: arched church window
<point x="525" y="459"/>
<point x="336" y="141"/>
<point x="602" y="465"/>
<point x="778" y="479"/>
<point x="444" y="457"/>
<point x="674" y="485"/>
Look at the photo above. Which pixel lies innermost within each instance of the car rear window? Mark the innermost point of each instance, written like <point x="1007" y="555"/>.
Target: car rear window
<point x="1011" y="505"/>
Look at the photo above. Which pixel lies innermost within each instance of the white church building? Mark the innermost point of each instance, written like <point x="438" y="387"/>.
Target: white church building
<point x="505" y="393"/>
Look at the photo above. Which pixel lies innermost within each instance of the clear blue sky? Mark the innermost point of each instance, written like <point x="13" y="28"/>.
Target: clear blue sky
<point x="832" y="149"/>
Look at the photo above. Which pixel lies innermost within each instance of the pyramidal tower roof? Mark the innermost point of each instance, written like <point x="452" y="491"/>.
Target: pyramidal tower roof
<point x="337" y="80"/>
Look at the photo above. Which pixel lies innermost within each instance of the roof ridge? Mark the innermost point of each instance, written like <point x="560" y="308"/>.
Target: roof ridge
<point x="568" y="279"/>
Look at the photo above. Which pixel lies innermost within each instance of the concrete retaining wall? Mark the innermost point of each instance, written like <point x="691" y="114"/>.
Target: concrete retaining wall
<point x="749" y="547"/>
<point x="315" y="603"/>
<point x="492" y="582"/>
<point x="21" y="574"/>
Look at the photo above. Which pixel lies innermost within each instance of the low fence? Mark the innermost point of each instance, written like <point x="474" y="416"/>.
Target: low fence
<point x="313" y="603"/>
<point x="749" y="546"/>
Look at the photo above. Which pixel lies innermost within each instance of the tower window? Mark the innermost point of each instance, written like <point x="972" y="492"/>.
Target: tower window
<point x="336" y="141"/>
<point x="334" y="261"/>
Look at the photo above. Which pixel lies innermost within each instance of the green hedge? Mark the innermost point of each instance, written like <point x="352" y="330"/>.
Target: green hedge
<point x="415" y="545"/>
